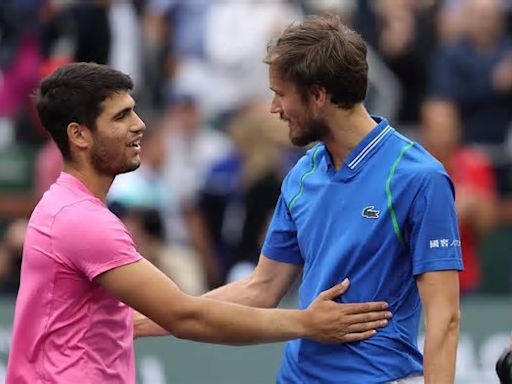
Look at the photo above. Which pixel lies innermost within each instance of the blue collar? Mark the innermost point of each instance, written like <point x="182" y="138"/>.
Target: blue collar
<point x="369" y="144"/>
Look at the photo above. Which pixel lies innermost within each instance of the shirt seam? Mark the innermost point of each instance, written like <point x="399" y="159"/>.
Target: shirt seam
<point x="303" y="177"/>
<point x="389" y="195"/>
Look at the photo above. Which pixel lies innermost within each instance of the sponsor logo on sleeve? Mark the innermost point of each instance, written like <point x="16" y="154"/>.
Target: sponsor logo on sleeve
<point x="444" y="243"/>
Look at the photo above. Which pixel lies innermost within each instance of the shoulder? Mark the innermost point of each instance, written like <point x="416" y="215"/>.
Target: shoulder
<point x="87" y="233"/>
<point x="414" y="163"/>
<point x="86" y="219"/>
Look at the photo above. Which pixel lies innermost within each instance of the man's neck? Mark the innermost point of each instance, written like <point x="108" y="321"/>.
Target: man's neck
<point x="97" y="184"/>
<point x="347" y="129"/>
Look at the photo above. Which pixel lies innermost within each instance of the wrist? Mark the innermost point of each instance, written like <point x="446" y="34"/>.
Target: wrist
<point x="306" y="329"/>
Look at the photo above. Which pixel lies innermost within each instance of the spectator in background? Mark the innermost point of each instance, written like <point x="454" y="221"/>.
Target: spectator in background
<point x="174" y="37"/>
<point x="20" y="54"/>
<point x="235" y="36"/>
<point x="214" y="47"/>
<point x="20" y="58"/>
<point x="191" y="147"/>
<point x="242" y="188"/>
<point x="10" y="256"/>
<point x="473" y="176"/>
<point x="180" y="263"/>
<point x="475" y="71"/>
<point x="114" y="39"/>
<point x="403" y="35"/>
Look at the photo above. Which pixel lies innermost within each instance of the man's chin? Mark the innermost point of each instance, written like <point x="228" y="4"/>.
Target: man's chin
<point x="130" y="168"/>
<point x="302" y="141"/>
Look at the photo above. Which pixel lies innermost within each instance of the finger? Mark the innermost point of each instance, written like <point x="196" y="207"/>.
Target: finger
<point x="373" y="306"/>
<point x="336" y="290"/>
<point x="368" y="317"/>
<point x="368" y="326"/>
<point x="358" y="336"/>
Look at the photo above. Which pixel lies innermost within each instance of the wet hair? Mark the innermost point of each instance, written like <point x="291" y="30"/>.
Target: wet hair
<point x="74" y="93"/>
<point x="323" y="52"/>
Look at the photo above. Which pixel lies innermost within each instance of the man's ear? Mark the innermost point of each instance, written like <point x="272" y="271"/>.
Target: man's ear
<point x="319" y="95"/>
<point x="79" y="135"/>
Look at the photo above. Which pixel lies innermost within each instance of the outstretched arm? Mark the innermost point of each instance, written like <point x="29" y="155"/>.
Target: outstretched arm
<point x="266" y="286"/>
<point x="143" y="287"/>
<point x="439" y="293"/>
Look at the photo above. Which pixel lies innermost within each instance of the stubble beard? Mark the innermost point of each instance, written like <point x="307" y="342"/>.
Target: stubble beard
<point x="313" y="130"/>
<point x="106" y="163"/>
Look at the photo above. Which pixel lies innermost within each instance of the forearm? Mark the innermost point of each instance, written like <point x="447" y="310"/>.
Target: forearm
<point x="264" y="288"/>
<point x="245" y="292"/>
<point x="235" y="292"/>
<point x="440" y="350"/>
<point x="238" y="292"/>
<point x="206" y="321"/>
<point x="439" y="292"/>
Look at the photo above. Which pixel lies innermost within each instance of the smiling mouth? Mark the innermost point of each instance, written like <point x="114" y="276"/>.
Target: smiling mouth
<point x="135" y="146"/>
<point x="135" y="143"/>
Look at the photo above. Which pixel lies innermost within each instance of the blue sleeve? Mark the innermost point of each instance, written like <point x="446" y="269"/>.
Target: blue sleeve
<point x="434" y="235"/>
<point x="281" y="241"/>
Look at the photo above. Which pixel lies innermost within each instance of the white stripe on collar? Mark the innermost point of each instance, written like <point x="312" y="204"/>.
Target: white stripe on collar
<point x="369" y="147"/>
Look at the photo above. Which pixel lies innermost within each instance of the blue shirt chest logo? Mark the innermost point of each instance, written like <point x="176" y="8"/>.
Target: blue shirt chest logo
<point x="370" y="213"/>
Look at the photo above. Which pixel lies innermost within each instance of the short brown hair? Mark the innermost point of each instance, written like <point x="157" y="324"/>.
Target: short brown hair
<point x="322" y="51"/>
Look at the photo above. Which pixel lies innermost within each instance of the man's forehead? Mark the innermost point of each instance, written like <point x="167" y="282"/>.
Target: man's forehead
<point x="277" y="82"/>
<point x="276" y="77"/>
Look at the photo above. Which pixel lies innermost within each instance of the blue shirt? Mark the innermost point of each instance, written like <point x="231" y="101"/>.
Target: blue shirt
<point x="386" y="216"/>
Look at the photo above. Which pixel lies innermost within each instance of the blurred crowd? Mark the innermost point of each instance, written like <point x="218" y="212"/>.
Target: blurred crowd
<point x="214" y="157"/>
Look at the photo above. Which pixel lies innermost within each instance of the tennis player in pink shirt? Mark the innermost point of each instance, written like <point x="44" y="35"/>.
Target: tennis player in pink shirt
<point x="82" y="275"/>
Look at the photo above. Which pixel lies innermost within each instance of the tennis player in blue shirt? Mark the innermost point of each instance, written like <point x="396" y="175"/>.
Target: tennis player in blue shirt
<point x="364" y="203"/>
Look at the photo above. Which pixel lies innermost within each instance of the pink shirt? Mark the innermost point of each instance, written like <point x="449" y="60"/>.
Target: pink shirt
<point x="67" y="328"/>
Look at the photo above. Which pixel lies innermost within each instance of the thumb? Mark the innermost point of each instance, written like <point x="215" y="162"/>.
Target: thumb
<point x="336" y="290"/>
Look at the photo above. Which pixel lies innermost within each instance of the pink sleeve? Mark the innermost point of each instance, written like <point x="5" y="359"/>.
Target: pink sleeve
<point x="92" y="239"/>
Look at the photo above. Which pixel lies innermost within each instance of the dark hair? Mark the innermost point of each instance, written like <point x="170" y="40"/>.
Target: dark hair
<point x="322" y="51"/>
<point x="74" y="93"/>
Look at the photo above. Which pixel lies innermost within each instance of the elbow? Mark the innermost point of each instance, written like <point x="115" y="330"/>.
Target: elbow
<point x="185" y="320"/>
<point x="444" y="326"/>
<point x="262" y="294"/>
<point x="188" y="328"/>
<point x="451" y="324"/>
<point x="454" y="321"/>
<point x="183" y="330"/>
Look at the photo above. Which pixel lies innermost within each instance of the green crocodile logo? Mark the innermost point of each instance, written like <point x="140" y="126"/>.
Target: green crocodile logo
<point x="370" y="213"/>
